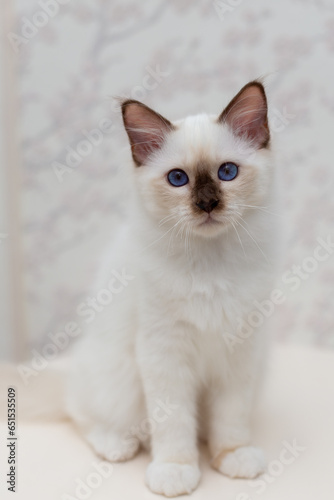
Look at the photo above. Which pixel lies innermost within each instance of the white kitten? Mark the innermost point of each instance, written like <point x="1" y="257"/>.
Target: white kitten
<point x="168" y="362"/>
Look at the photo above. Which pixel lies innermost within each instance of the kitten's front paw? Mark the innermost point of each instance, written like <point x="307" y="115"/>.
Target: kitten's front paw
<point x="245" y="462"/>
<point x="172" y="479"/>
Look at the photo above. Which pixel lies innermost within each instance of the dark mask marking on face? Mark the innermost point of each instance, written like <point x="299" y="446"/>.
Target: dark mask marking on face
<point x="206" y="193"/>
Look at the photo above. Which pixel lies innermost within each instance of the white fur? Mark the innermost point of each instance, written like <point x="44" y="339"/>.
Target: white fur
<point x="245" y="462"/>
<point x="156" y="367"/>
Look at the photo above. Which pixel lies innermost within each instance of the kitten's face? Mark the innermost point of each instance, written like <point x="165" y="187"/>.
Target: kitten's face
<point x="202" y="173"/>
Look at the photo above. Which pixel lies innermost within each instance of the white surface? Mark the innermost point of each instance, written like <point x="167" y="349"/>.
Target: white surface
<point x="296" y="404"/>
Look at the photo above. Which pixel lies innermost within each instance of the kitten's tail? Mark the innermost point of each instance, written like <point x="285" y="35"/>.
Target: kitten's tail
<point x="39" y="395"/>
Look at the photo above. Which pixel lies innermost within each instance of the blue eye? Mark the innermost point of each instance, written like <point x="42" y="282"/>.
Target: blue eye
<point x="177" y="178"/>
<point x="227" y="171"/>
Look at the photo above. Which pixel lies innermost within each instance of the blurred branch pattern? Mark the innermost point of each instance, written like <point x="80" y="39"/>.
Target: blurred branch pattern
<point x="90" y="51"/>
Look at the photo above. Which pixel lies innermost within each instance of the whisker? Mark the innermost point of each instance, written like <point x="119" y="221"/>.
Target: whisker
<point x="263" y="209"/>
<point x="166" y="219"/>
<point x="233" y="225"/>
<point x="172" y="233"/>
<point x="160" y="237"/>
<point x="252" y="238"/>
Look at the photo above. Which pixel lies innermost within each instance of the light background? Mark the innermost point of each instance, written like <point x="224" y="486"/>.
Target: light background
<point x="91" y="50"/>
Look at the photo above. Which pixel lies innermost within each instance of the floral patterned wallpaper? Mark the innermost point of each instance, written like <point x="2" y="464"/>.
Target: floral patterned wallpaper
<point x="180" y="57"/>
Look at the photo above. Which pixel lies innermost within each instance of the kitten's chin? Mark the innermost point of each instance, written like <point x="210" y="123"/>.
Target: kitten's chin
<point x="209" y="228"/>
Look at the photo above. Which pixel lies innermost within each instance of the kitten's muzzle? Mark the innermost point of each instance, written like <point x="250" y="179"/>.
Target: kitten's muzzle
<point x="207" y="206"/>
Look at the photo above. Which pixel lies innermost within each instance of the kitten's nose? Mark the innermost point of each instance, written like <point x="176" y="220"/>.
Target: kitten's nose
<point x="207" y="206"/>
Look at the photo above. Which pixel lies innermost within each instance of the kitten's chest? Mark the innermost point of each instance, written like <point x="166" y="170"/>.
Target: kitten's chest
<point x="210" y="293"/>
<point x="209" y="302"/>
<point x="208" y="298"/>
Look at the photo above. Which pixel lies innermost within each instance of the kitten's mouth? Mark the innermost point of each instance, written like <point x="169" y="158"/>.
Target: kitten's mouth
<point x="209" y="226"/>
<point x="208" y="221"/>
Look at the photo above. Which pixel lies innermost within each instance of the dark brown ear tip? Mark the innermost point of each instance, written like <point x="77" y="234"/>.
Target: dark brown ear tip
<point x="255" y="83"/>
<point x="126" y="102"/>
<point x="132" y="102"/>
<point x="129" y="102"/>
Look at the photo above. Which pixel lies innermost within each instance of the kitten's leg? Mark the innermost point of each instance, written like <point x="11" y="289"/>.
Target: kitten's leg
<point x="168" y="378"/>
<point x="229" y="430"/>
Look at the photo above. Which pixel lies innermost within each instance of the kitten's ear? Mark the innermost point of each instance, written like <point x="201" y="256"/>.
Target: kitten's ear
<point x="247" y="115"/>
<point x="146" y="129"/>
